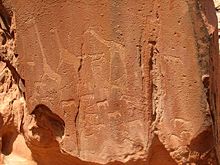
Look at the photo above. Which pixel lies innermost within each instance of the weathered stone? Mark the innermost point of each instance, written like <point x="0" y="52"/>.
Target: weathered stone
<point x="109" y="82"/>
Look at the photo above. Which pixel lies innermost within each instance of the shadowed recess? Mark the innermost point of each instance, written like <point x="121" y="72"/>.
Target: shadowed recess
<point x="45" y="118"/>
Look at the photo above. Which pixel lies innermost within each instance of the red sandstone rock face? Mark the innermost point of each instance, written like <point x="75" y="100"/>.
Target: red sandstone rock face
<point x="109" y="82"/>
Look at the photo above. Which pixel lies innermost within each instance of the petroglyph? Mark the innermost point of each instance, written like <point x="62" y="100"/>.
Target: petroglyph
<point x="109" y="82"/>
<point x="116" y="51"/>
<point x="112" y="45"/>
<point x="65" y="55"/>
<point x="46" y="68"/>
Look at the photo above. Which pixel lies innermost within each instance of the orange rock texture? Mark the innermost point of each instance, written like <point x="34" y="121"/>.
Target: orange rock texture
<point x="114" y="82"/>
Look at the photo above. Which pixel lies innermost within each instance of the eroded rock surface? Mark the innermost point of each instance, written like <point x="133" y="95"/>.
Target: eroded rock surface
<point x="109" y="82"/>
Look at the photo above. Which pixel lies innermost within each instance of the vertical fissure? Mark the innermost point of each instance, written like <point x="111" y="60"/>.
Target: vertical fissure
<point x="155" y="84"/>
<point x="140" y="59"/>
<point x="76" y="120"/>
<point x="76" y="127"/>
<point x="151" y="67"/>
